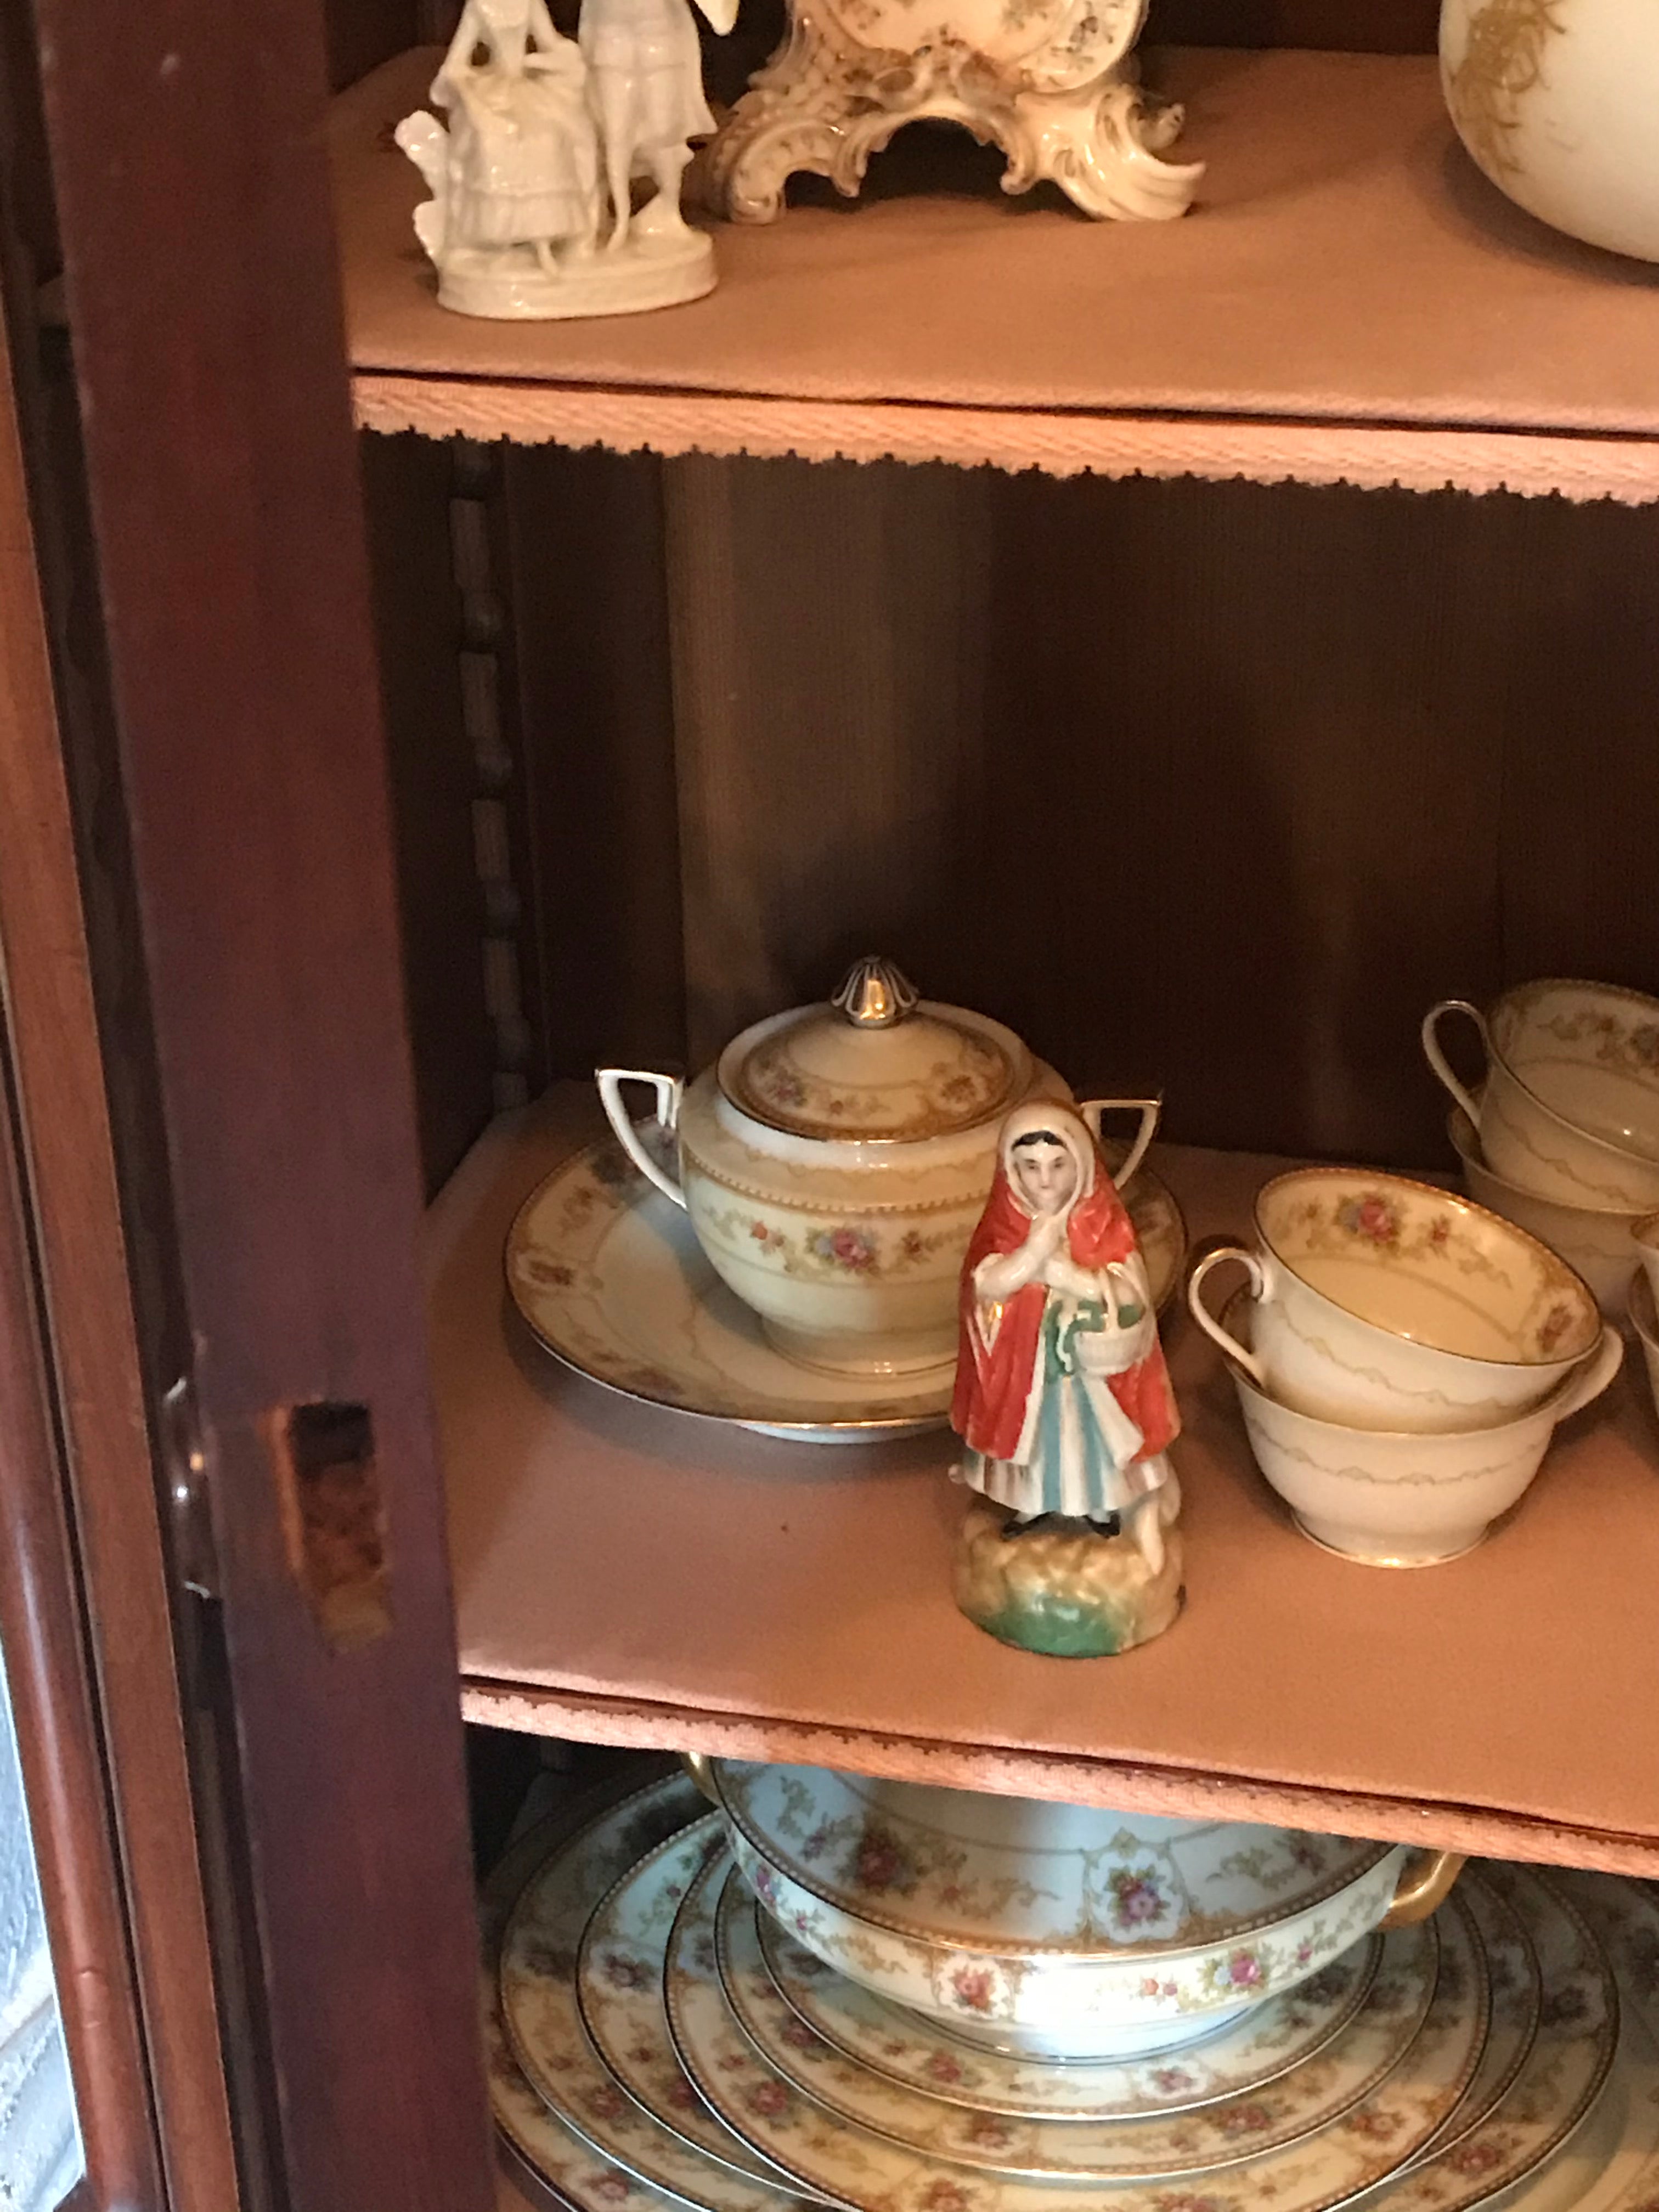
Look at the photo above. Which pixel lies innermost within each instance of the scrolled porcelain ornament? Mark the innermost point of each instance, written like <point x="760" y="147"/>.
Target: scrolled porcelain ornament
<point x="1064" y="1405"/>
<point x="1053" y="82"/>
<point x="544" y="135"/>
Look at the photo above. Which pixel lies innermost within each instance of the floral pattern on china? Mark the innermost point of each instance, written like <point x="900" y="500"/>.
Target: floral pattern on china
<point x="834" y="1159"/>
<point x="1007" y="1874"/>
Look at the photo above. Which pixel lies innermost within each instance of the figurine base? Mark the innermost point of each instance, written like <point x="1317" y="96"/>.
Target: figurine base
<point x="652" y="269"/>
<point x="1064" y="1589"/>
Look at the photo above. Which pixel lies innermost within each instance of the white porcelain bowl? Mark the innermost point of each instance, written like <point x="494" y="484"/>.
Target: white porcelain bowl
<point x="1594" y="1241"/>
<point x="1557" y="105"/>
<point x="1054" y="2007"/>
<point x="1394" y="1499"/>
<point x="1569" y="1107"/>
<point x="1047" y="1930"/>
<point x="1385" y="1304"/>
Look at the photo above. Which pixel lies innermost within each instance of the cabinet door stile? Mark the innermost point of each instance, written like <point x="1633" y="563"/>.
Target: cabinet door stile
<point x="186" y="152"/>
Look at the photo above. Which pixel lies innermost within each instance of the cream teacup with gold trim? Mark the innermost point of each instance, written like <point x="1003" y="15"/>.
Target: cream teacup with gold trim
<point x="1571" y="1104"/>
<point x="1385" y="1304"/>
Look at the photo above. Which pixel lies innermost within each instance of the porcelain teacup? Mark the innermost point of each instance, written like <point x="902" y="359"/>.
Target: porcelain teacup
<point x="1571" y="1104"/>
<point x="1596" y="1242"/>
<point x="1384" y="1304"/>
<point x="1399" y="1497"/>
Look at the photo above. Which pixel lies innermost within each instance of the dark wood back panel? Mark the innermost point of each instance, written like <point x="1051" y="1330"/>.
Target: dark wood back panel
<point x="1207" y="787"/>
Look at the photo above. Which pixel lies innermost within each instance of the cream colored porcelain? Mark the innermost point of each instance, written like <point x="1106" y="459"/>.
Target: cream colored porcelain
<point x="1383" y="1303"/>
<point x="611" y="1279"/>
<point x="1571" y="1104"/>
<point x="1644" y="1320"/>
<point x="1596" y="1241"/>
<point x="1396" y="1498"/>
<point x="1644" y="1233"/>
<point x="1045" y="1931"/>
<point x="853" y="2168"/>
<point x="835" y="1162"/>
<point x="1556" y="100"/>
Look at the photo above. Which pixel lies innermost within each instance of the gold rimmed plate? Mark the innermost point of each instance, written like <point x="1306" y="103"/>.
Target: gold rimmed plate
<point x="609" y="1277"/>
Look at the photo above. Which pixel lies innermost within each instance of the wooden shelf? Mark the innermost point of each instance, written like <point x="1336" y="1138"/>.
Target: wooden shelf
<point x="631" y="1576"/>
<point x="1349" y="301"/>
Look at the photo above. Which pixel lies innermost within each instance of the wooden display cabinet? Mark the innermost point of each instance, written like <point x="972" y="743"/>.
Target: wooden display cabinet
<point x="1201" y="646"/>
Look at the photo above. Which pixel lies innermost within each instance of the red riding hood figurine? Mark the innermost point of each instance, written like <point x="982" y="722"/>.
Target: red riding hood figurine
<point x="1062" y="1397"/>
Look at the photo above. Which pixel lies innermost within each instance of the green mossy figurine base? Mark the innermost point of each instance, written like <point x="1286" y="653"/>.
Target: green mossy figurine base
<point x="1063" y="1588"/>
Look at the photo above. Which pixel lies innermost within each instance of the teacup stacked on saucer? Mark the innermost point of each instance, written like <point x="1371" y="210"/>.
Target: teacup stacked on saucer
<point x="1563" y="1136"/>
<point x="662" y="2036"/>
<point x="1402" y="1358"/>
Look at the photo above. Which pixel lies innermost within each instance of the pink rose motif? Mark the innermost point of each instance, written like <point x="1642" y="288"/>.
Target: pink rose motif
<point x="944" y="2197"/>
<point x="1375" y="2126"/>
<point x="757" y="1230"/>
<point x="941" y="2067"/>
<point x="1304" y="1952"/>
<point x="1372" y="1216"/>
<point x="764" y="1884"/>
<point x="1244" y="2120"/>
<point x="770" y="2099"/>
<point x="1244" y="1970"/>
<point x="681" y="2095"/>
<point x="1170" y="2080"/>
<point x="1136" y="1898"/>
<point x="624" y="1974"/>
<point x="1475" y="2156"/>
<point x="975" y="1989"/>
<point x="797" y="2034"/>
<point x="615" y="2188"/>
<point x="882" y="1863"/>
<point x="606" y="2102"/>
<point x="989" y="2132"/>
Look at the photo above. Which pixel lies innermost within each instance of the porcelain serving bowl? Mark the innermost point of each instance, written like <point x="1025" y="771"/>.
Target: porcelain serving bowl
<point x="1596" y="1241"/>
<point x="1385" y="1304"/>
<point x="835" y="1158"/>
<point x="1570" y="1108"/>
<point x="1054" y="1931"/>
<point x="1557" y="105"/>
<point x="1400" y="1498"/>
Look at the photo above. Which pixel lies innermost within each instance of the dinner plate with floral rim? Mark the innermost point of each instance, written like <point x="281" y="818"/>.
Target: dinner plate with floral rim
<point x="541" y="2142"/>
<point x="815" y="2149"/>
<point x="1564" y="2074"/>
<point x="536" y="1981"/>
<point x="610" y="1278"/>
<point x="619" y="1973"/>
<point x="917" y="2053"/>
<point x="1516" y="2000"/>
<point x="1165" y="2147"/>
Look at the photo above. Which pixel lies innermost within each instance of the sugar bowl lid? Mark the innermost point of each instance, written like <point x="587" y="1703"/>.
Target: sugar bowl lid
<point x="875" y="1064"/>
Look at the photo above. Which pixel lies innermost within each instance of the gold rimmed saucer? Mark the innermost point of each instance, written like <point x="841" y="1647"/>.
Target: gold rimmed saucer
<point x="610" y="1278"/>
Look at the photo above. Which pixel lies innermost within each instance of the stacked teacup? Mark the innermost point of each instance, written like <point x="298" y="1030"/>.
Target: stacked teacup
<point x="1402" y="1358"/>
<point x="1563" y="1136"/>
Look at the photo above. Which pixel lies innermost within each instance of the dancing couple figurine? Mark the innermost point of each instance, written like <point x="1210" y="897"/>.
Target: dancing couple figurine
<point x="1063" y="1402"/>
<point x="531" y="214"/>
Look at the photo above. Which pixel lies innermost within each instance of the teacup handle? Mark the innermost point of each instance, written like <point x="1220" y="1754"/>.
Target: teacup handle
<point x="1424" y="1883"/>
<point x="1094" y="1111"/>
<point x="669" y="1089"/>
<point x="1260" y="1287"/>
<point x="1437" y="1060"/>
<point x="1596" y="1369"/>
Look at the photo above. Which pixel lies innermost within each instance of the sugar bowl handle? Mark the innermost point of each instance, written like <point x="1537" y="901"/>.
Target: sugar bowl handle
<point x="668" y="1089"/>
<point x="1437" y="1060"/>
<point x="1094" y="1111"/>
<point x="1260" y="1287"/>
<point x="1425" y="1881"/>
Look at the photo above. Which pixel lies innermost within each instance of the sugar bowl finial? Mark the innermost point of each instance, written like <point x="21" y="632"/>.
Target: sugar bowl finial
<point x="874" y="994"/>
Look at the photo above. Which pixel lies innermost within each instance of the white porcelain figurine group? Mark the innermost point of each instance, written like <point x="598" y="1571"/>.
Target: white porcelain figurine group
<point x="531" y="209"/>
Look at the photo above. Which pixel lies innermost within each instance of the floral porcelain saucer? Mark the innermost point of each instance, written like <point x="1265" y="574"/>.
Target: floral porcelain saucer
<point x="619" y="1991"/>
<point x="1567" y="2068"/>
<point x="584" y="2177"/>
<point x="610" y="1277"/>
<point x="1162" y="2147"/>
<point x="543" y="2027"/>
<point x="918" y="2053"/>
<point x="817" y="2151"/>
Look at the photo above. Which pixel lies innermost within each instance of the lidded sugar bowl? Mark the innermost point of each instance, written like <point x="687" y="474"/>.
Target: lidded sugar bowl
<point x="835" y="1160"/>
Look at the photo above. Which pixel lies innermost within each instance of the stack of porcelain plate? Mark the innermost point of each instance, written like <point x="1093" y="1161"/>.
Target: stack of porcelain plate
<point x="836" y="1991"/>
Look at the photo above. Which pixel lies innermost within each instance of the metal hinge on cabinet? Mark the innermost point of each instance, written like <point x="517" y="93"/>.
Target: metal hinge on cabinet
<point x="185" y="1455"/>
